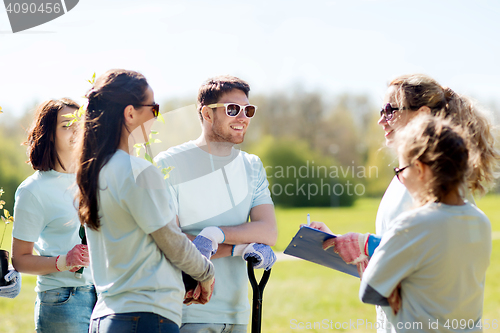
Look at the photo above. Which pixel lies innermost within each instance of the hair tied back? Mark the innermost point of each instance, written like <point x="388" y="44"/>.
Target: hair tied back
<point x="449" y="94"/>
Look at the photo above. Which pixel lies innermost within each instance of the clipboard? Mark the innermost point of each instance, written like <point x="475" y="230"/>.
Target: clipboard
<point x="308" y="245"/>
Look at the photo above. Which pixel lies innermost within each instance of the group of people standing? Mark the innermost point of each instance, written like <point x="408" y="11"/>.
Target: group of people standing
<point x="426" y="265"/>
<point x="142" y="229"/>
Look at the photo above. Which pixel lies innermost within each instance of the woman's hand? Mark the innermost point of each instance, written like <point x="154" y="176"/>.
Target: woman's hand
<point x="201" y="294"/>
<point x="351" y="247"/>
<point x="76" y="258"/>
<point x="318" y="225"/>
<point x="25" y="261"/>
<point x="395" y="300"/>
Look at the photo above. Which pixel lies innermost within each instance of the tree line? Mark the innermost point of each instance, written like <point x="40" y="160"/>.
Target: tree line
<point x="317" y="150"/>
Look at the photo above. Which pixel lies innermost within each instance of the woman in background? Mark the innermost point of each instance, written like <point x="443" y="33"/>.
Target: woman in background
<point x="47" y="221"/>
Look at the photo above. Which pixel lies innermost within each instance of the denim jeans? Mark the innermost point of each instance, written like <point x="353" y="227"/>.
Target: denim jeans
<point x="64" y="310"/>
<point x="213" y="328"/>
<point x="133" y="322"/>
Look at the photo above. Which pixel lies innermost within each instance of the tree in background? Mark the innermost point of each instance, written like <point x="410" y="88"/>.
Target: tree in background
<point x="301" y="177"/>
<point x="13" y="166"/>
<point x="290" y="130"/>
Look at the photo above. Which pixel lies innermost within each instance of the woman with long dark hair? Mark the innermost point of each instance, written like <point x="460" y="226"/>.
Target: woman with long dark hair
<point x="137" y="251"/>
<point x="47" y="221"/>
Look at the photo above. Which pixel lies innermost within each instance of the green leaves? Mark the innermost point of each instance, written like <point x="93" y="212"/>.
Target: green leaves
<point x="138" y="147"/>
<point x="159" y="118"/>
<point x="92" y="80"/>
<point x="166" y="172"/>
<point x="6" y="218"/>
<point x="75" y="116"/>
<point x="80" y="113"/>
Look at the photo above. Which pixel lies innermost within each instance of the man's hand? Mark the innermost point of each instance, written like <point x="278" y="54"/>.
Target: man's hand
<point x="263" y="253"/>
<point x="207" y="241"/>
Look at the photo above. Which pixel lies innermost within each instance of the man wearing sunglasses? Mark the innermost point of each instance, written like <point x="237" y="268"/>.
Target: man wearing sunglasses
<point x="216" y="189"/>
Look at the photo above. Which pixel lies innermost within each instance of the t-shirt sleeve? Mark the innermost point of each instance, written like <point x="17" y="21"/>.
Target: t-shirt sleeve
<point x="173" y="194"/>
<point x="148" y="200"/>
<point x="28" y="217"/>
<point x="391" y="262"/>
<point x="261" y="194"/>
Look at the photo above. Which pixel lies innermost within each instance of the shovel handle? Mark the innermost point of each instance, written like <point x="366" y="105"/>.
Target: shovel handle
<point x="258" y="291"/>
<point x="83" y="237"/>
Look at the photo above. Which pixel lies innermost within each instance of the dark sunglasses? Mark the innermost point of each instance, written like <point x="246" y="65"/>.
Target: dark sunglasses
<point x="388" y="111"/>
<point x="397" y="171"/>
<point x="155" y="108"/>
<point x="233" y="109"/>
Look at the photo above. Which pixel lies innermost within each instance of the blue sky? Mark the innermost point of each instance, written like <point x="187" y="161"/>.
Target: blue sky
<point x="333" y="46"/>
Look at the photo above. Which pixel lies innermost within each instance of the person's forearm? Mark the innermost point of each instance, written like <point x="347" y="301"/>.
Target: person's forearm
<point x="251" y="232"/>
<point x="224" y="250"/>
<point x="182" y="253"/>
<point x="369" y="295"/>
<point x="32" y="264"/>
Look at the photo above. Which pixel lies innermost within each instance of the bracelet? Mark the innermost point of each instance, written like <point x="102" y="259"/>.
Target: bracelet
<point x="56" y="264"/>
<point x="366" y="244"/>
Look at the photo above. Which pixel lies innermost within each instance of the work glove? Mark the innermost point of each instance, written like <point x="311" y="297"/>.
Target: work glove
<point x="13" y="288"/>
<point x="201" y="294"/>
<point x="352" y="247"/>
<point x="207" y="241"/>
<point x="77" y="257"/>
<point x="263" y="253"/>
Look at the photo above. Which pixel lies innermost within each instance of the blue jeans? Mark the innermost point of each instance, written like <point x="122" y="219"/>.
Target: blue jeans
<point x="64" y="310"/>
<point x="133" y="322"/>
<point x="213" y="328"/>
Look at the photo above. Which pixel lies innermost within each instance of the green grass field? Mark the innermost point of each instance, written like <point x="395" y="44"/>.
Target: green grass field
<point x="300" y="293"/>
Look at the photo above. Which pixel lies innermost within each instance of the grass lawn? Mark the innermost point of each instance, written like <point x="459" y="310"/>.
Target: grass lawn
<point x="300" y="293"/>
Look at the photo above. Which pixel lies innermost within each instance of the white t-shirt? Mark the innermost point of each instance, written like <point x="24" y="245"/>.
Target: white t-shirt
<point x="440" y="254"/>
<point x="211" y="190"/>
<point x="395" y="201"/>
<point x="45" y="214"/>
<point x="131" y="273"/>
